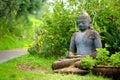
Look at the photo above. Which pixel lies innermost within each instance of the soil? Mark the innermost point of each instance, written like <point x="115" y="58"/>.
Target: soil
<point x="31" y="69"/>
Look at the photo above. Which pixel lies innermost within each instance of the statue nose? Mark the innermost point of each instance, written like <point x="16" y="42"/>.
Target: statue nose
<point x="80" y="24"/>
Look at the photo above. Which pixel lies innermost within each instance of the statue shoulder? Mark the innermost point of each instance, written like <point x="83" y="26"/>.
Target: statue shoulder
<point x="75" y="33"/>
<point x="94" y="33"/>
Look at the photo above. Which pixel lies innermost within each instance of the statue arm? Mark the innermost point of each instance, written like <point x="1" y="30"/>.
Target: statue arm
<point x="72" y="55"/>
<point x="72" y="48"/>
<point x="97" y="43"/>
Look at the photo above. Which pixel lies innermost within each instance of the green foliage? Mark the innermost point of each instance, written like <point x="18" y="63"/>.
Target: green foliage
<point x="102" y="56"/>
<point x="15" y="21"/>
<point x="10" y="42"/>
<point x="60" y="21"/>
<point x="16" y="8"/>
<point x="54" y="35"/>
<point x="15" y="12"/>
<point x="115" y="59"/>
<point x="14" y="15"/>
<point x="35" y="48"/>
<point x="87" y="62"/>
<point x="14" y="34"/>
<point x="108" y="19"/>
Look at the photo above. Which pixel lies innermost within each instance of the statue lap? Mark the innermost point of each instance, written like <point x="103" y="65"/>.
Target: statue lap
<point x="68" y="65"/>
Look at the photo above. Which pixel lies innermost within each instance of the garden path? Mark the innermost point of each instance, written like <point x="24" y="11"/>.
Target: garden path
<point x="6" y="55"/>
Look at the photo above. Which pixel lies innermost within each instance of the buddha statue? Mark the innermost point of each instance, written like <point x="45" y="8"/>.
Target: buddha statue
<point x="83" y="42"/>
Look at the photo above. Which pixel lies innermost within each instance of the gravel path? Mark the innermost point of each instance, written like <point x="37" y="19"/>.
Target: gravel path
<point x="9" y="54"/>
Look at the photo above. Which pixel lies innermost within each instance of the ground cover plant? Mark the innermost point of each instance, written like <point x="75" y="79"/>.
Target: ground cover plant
<point x="28" y="67"/>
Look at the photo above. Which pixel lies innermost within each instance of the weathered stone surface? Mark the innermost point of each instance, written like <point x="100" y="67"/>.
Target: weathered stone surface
<point x="71" y="70"/>
<point x="64" y="63"/>
<point x="108" y="71"/>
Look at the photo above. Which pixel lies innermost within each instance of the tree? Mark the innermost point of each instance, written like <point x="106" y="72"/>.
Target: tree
<point x="9" y="9"/>
<point x="14" y="15"/>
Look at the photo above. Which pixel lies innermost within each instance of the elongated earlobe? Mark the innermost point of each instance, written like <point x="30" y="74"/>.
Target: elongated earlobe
<point x="90" y="24"/>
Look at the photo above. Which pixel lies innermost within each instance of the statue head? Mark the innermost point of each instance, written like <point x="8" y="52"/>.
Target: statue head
<point x="84" y="21"/>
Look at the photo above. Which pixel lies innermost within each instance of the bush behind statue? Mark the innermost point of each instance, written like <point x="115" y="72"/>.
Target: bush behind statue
<point x="58" y="26"/>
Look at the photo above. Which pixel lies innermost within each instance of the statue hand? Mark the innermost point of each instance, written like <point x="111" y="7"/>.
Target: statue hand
<point x="78" y="55"/>
<point x="71" y="54"/>
<point x="75" y="56"/>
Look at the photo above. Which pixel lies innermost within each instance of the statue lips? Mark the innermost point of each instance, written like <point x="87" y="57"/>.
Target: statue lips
<point x="83" y="28"/>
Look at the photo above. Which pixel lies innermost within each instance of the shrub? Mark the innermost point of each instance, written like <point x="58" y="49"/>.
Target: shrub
<point x="61" y="22"/>
<point x="115" y="59"/>
<point x="87" y="62"/>
<point x="103" y="58"/>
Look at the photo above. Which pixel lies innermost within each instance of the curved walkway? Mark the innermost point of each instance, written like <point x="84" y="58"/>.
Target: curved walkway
<point x="9" y="54"/>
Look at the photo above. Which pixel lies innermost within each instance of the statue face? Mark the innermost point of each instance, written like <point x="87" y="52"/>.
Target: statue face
<point x="83" y="24"/>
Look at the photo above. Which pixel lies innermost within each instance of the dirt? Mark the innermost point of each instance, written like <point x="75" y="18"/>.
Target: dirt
<point x="31" y="69"/>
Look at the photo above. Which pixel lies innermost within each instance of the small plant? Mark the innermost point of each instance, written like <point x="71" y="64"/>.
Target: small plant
<point x="115" y="59"/>
<point x="88" y="62"/>
<point x="102" y="56"/>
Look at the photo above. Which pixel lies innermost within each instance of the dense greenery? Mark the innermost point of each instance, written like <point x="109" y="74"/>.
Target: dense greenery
<point x="10" y="42"/>
<point x="60" y="21"/>
<point x="88" y="62"/>
<point x="16" y="26"/>
<point x="16" y="8"/>
<point x="103" y="56"/>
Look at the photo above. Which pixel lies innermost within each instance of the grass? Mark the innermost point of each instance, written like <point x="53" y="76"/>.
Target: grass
<point x="28" y="67"/>
<point x="10" y="42"/>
